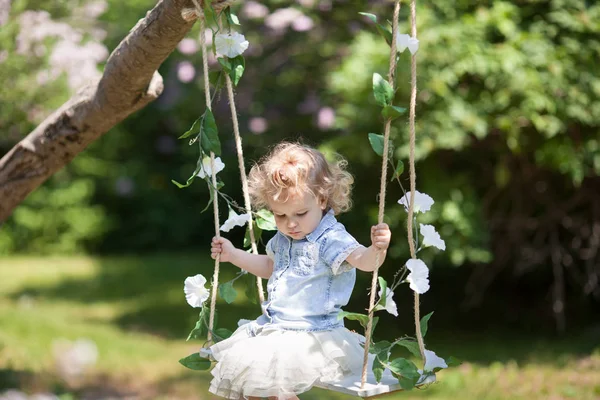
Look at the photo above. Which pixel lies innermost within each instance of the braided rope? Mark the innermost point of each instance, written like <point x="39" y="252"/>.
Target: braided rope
<point x="240" y="154"/>
<point x="215" y="281"/>
<point x="382" y="190"/>
<point x="413" y="174"/>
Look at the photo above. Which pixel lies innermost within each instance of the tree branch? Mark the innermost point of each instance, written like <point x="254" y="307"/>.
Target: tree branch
<point x="129" y="83"/>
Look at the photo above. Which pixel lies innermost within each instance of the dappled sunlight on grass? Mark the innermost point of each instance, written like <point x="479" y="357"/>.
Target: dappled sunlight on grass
<point x="134" y="310"/>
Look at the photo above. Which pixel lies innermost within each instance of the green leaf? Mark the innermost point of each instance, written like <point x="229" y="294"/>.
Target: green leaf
<point x="210" y="134"/>
<point x="410" y="345"/>
<point x="201" y="327"/>
<point x="375" y="321"/>
<point x="234" y="67"/>
<point x="238" y="64"/>
<point x="424" y="323"/>
<point x="376" y="141"/>
<point x="265" y="220"/>
<point x="192" y="177"/>
<point x="214" y="77"/>
<point x="378" y="368"/>
<point x="392" y="112"/>
<point x="209" y="13"/>
<point x="225" y="63"/>
<point x="383" y="285"/>
<point x="382" y="90"/>
<point x="196" y="332"/>
<point x="398" y="170"/>
<point x="385" y="33"/>
<point x="361" y="318"/>
<point x="378" y="347"/>
<point x="251" y="288"/>
<point x="406" y="383"/>
<point x="193" y="129"/>
<point x="257" y="234"/>
<point x="179" y="185"/>
<point x="453" y="361"/>
<point x="231" y="17"/>
<point x="404" y="367"/>
<point x="195" y="362"/>
<point x="211" y="193"/>
<point x="382" y="30"/>
<point x="223" y="333"/>
<point x="406" y="372"/>
<point x="372" y="17"/>
<point x="227" y="292"/>
<point x="382" y="354"/>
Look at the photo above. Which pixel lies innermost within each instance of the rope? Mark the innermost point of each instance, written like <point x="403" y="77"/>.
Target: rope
<point x="240" y="154"/>
<point x="382" y="190"/>
<point x="413" y="174"/>
<point x="215" y="282"/>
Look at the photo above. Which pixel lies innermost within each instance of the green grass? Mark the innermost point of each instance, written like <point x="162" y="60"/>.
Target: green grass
<point x="134" y="309"/>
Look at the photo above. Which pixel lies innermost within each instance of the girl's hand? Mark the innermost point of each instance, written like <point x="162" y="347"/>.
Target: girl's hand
<point x="222" y="246"/>
<point x="381" y="236"/>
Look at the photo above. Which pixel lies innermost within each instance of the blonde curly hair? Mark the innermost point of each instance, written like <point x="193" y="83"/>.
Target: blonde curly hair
<point x="291" y="169"/>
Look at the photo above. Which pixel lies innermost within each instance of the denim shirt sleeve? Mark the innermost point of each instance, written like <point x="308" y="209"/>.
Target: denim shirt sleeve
<point x="337" y="244"/>
<point x="270" y="247"/>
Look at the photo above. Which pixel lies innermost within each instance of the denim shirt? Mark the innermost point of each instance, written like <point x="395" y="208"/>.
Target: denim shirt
<point x="311" y="279"/>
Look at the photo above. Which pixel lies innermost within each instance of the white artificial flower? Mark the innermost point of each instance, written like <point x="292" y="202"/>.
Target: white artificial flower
<point x="431" y="237"/>
<point x="432" y="361"/>
<point x="234" y="220"/>
<point x="231" y="44"/>
<point x="206" y="170"/>
<point x="419" y="275"/>
<point x="195" y="292"/>
<point x="403" y="41"/>
<point x="423" y="202"/>
<point x="390" y="304"/>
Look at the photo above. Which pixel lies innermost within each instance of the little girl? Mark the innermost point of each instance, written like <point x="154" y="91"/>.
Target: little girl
<point x="310" y="263"/>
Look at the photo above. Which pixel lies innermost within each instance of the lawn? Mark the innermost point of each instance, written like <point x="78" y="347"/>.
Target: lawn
<point x="134" y="311"/>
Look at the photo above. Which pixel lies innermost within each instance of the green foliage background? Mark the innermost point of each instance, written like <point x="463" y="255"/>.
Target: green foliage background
<point x="508" y="145"/>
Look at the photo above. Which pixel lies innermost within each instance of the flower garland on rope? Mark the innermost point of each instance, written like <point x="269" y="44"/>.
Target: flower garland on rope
<point x="229" y="45"/>
<point x="414" y="271"/>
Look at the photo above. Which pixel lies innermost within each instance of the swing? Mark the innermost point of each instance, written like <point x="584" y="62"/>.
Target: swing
<point x="365" y="385"/>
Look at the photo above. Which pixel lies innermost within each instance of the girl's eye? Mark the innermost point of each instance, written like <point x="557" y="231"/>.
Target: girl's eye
<point x="279" y="216"/>
<point x="302" y="213"/>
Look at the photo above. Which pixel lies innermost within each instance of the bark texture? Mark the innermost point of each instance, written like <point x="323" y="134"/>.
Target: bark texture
<point x="129" y="82"/>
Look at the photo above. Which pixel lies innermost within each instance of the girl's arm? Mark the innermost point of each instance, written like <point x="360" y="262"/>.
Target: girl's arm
<point x="365" y="258"/>
<point x="257" y="264"/>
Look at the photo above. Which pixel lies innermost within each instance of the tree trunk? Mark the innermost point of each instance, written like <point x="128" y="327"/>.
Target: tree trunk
<point x="129" y="82"/>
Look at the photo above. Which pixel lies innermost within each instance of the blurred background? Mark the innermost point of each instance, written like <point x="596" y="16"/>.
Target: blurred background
<point x="92" y="263"/>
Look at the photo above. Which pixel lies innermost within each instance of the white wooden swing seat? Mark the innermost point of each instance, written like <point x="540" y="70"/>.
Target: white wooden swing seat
<point x="351" y="385"/>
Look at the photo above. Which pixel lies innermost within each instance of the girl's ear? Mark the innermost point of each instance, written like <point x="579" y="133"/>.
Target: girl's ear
<point x="322" y="203"/>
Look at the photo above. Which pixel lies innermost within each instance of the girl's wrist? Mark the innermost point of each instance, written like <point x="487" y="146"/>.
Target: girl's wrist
<point x="235" y="256"/>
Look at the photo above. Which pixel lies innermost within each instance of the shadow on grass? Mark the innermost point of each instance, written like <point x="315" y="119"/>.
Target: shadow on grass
<point x="149" y="291"/>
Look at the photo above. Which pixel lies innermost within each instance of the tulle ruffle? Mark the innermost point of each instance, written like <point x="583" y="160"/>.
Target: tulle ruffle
<point x="282" y="362"/>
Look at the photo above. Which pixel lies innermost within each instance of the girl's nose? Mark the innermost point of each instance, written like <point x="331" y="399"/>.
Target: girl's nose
<point x="292" y="223"/>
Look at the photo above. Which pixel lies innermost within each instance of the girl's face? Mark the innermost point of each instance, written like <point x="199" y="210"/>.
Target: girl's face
<point x="299" y="215"/>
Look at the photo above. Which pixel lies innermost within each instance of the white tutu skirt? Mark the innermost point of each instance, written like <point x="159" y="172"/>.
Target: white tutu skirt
<point x="282" y="362"/>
